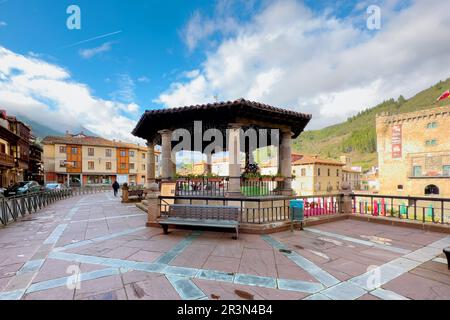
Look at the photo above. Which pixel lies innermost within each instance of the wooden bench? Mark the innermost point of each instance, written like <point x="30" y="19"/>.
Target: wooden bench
<point x="447" y="255"/>
<point x="136" y="193"/>
<point x="202" y="216"/>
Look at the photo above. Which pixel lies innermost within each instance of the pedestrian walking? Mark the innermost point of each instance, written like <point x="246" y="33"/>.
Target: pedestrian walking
<point x="116" y="188"/>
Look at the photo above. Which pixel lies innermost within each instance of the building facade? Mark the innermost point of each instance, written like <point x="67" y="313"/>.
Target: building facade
<point x="316" y="176"/>
<point x="414" y="153"/>
<point x="78" y="159"/>
<point x="14" y="149"/>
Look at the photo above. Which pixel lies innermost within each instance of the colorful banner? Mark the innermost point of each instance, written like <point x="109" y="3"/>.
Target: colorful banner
<point x="396" y="141"/>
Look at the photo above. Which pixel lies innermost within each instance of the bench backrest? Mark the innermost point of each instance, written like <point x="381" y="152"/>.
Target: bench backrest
<point x="135" y="192"/>
<point x="204" y="212"/>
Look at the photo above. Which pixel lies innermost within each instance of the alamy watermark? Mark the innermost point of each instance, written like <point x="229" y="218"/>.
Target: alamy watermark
<point x="73" y="22"/>
<point x="373" y="21"/>
<point x="214" y="140"/>
<point x="73" y="281"/>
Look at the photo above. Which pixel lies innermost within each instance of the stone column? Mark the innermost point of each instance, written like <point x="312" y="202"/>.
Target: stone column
<point x="285" y="161"/>
<point x="151" y="164"/>
<point x="234" y="158"/>
<point x="153" y="209"/>
<point x="167" y="166"/>
<point x="208" y="163"/>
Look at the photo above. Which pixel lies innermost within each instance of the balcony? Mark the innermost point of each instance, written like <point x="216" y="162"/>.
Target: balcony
<point x="6" y="160"/>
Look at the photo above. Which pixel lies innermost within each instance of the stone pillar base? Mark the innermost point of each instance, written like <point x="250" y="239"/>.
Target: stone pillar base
<point x="153" y="211"/>
<point x="233" y="194"/>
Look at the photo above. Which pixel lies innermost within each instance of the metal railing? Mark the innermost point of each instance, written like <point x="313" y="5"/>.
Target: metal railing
<point x="423" y="209"/>
<point x="261" y="188"/>
<point x="212" y="187"/>
<point x="12" y="208"/>
<point x="260" y="210"/>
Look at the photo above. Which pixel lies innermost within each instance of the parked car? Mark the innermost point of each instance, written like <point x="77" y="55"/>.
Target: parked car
<point x="55" y="186"/>
<point x="21" y="188"/>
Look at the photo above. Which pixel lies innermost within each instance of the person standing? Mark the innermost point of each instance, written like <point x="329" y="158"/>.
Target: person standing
<point x="116" y="188"/>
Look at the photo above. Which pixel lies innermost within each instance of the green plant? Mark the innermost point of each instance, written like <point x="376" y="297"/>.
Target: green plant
<point x="251" y="175"/>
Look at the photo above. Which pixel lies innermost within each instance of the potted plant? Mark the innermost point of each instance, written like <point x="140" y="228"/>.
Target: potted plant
<point x="251" y="177"/>
<point x="266" y="178"/>
<point x="213" y="177"/>
<point x="195" y="178"/>
<point x="278" y="178"/>
<point x="180" y="178"/>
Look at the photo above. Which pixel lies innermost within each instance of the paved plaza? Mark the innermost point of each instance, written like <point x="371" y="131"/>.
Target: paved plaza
<point x="95" y="247"/>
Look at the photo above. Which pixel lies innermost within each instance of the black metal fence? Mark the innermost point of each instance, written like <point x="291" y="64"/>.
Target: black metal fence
<point x="259" y="210"/>
<point x="423" y="209"/>
<point x="13" y="207"/>
<point x="211" y="187"/>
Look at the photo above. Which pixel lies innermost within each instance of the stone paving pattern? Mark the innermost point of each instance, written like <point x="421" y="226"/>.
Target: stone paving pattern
<point x="94" y="247"/>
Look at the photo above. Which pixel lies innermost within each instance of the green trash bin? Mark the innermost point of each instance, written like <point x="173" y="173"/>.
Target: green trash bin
<point x="403" y="210"/>
<point x="296" y="208"/>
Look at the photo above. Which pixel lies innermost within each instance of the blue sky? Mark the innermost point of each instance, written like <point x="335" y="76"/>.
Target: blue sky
<point x="310" y="56"/>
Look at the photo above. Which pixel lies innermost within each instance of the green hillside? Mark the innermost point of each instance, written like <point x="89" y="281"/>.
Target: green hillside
<point x="356" y="137"/>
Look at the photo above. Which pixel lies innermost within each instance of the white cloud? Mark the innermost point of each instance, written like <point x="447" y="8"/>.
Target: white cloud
<point x="125" y="91"/>
<point x="3" y="24"/>
<point x="143" y="79"/>
<point x="46" y="93"/>
<point x="91" y="52"/>
<point x="288" y="56"/>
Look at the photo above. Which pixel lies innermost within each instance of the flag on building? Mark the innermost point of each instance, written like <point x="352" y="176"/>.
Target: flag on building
<point x="443" y="96"/>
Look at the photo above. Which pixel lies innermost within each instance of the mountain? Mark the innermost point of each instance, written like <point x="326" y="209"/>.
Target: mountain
<point x="40" y="131"/>
<point x="356" y="137"/>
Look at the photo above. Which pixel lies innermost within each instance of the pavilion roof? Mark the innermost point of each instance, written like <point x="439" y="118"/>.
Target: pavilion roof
<point x="219" y="115"/>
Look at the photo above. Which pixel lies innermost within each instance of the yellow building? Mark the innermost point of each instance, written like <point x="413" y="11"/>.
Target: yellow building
<point x="414" y="152"/>
<point x="87" y="160"/>
<point x="316" y="176"/>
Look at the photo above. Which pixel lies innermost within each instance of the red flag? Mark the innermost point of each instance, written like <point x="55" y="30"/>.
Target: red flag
<point x="443" y="96"/>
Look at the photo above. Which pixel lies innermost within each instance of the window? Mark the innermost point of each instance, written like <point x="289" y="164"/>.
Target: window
<point x="123" y="153"/>
<point x="143" y="167"/>
<point x="62" y="149"/>
<point x="303" y="172"/>
<point x="446" y="170"/>
<point x="417" y="171"/>
<point x="337" y="173"/>
<point x="131" y="166"/>
<point x="143" y="155"/>
<point x="108" y="166"/>
<point x="91" y="165"/>
<point x="108" y="152"/>
<point x="74" y="150"/>
<point x="62" y="163"/>
<point x="431" y="190"/>
<point x="431" y="125"/>
<point x="337" y="185"/>
<point x="318" y="171"/>
<point x="131" y="152"/>
<point x="431" y="142"/>
<point x="123" y="166"/>
<point x="400" y="187"/>
<point x="91" y="152"/>
<point x="329" y="172"/>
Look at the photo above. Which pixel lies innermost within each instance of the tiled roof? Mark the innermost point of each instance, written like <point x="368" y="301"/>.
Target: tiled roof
<point x="241" y="101"/>
<point x="89" y="141"/>
<point x="221" y="112"/>
<point x="316" y="160"/>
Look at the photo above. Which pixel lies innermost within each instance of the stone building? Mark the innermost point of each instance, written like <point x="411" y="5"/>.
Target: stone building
<point x="14" y="149"/>
<point x="414" y="153"/>
<point x="316" y="176"/>
<point x="78" y="159"/>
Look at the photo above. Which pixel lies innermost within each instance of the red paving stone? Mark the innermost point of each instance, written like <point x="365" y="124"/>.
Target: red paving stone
<point x="211" y="250"/>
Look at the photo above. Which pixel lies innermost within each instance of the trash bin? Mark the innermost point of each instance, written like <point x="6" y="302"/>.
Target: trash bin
<point x="403" y="209"/>
<point x="297" y="210"/>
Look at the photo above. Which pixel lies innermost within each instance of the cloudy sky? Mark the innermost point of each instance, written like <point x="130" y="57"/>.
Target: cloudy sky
<point x="311" y="56"/>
